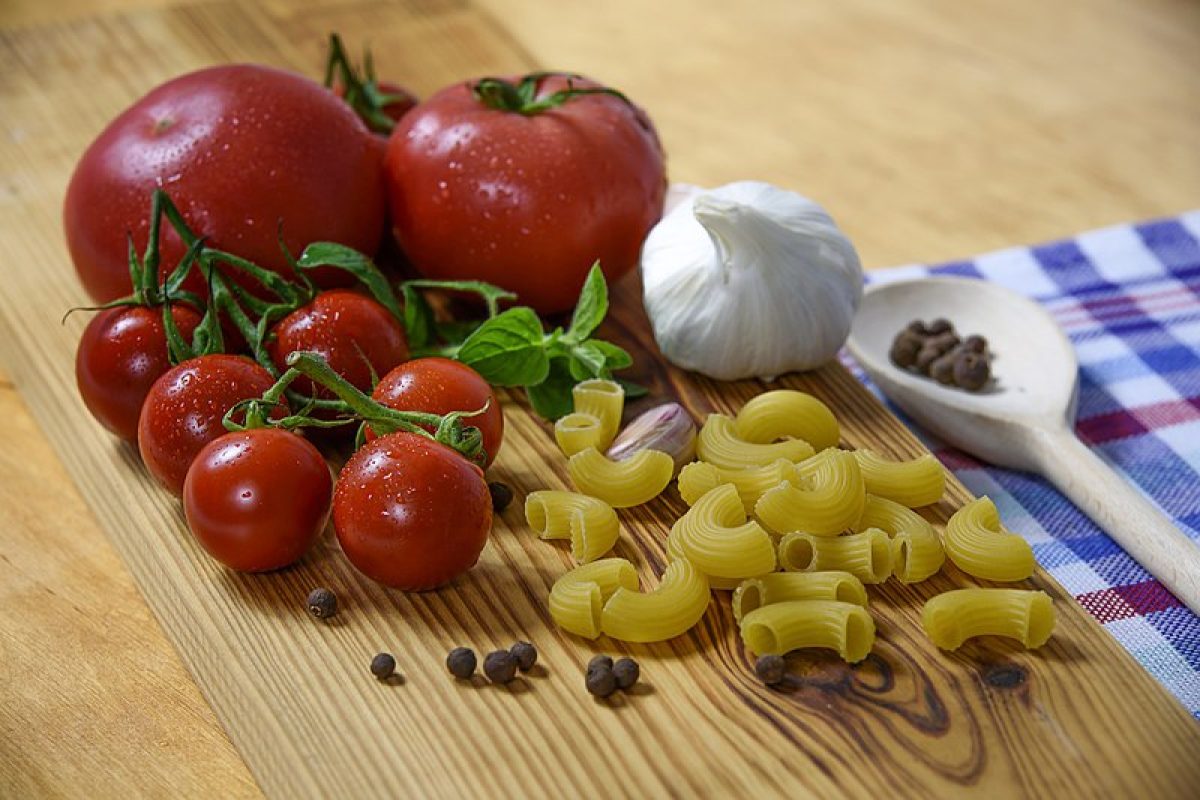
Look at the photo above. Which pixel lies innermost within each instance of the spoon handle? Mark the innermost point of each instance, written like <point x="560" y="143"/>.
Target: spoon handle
<point x="1123" y="512"/>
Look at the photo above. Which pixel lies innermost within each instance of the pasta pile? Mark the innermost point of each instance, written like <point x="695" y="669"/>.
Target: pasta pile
<point x="793" y="524"/>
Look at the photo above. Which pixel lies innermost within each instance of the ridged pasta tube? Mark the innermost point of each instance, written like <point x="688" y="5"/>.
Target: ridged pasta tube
<point x="675" y="553"/>
<point x="698" y="477"/>
<point x="782" y="627"/>
<point x="917" y="551"/>
<point x="719" y="444"/>
<point x="577" y="432"/>
<point x="1026" y="615"/>
<point x="824" y="498"/>
<point x="589" y="522"/>
<point x="787" y="414"/>
<point x="866" y="555"/>
<point x="673" y="608"/>
<point x="718" y="539"/>
<point x="782" y="587"/>
<point x="578" y="597"/>
<point x="636" y="480"/>
<point x="980" y="546"/>
<point x="916" y="482"/>
<point x="604" y="400"/>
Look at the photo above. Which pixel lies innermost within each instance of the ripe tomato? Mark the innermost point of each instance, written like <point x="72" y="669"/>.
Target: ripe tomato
<point x="411" y="513"/>
<point x="240" y="149"/>
<point x="352" y="332"/>
<point x="440" y="386"/>
<point x="524" y="202"/>
<point x="122" y="352"/>
<point x="257" y="499"/>
<point x="184" y="409"/>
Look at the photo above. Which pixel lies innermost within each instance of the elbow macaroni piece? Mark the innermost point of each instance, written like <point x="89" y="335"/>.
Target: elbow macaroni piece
<point x="699" y="477"/>
<point x="917" y="551"/>
<point x="718" y="540"/>
<point x="636" y="480"/>
<point x="577" y="432"/>
<point x="675" y="553"/>
<point x="782" y="627"/>
<point x="673" y="608"/>
<point x="1026" y="615"/>
<point x="787" y="414"/>
<point x="590" y="523"/>
<point x="917" y="482"/>
<point x="980" y="546"/>
<point x="577" y="598"/>
<point x="604" y="400"/>
<point x="719" y="445"/>
<point x="866" y="555"/>
<point x="782" y="587"/>
<point x="831" y="502"/>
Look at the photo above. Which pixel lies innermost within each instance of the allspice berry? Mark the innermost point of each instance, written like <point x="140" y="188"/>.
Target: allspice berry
<point x="975" y="344"/>
<point x="926" y="357"/>
<point x="383" y="665"/>
<point x="600" y="662"/>
<point x="626" y="671"/>
<point x="904" y="350"/>
<point x="525" y="654"/>
<point x="942" y="370"/>
<point x="502" y="495"/>
<point x="601" y="681"/>
<point x="322" y="603"/>
<point x="939" y="326"/>
<point x="461" y="662"/>
<point x="771" y="670"/>
<point x="971" y="371"/>
<point x="500" y="666"/>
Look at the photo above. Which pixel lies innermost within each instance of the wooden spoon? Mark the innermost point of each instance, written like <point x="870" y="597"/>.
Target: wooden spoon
<point x="1025" y="417"/>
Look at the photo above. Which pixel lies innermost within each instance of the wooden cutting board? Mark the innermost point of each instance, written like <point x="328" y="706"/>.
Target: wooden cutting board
<point x="1078" y="717"/>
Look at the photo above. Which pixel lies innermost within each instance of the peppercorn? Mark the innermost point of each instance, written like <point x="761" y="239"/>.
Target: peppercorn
<point x="939" y="326"/>
<point x="926" y="357"/>
<point x="461" y="662"/>
<point x="600" y="662"/>
<point x="942" y="370"/>
<point x="500" y="666"/>
<point x="525" y="654"/>
<point x="383" y="665"/>
<point x="322" y="603"/>
<point x="770" y="669"/>
<point x="904" y="350"/>
<point x="601" y="681"/>
<point x="944" y="342"/>
<point x="971" y="371"/>
<point x="917" y="328"/>
<point x="502" y="495"/>
<point x="975" y="344"/>
<point x="626" y="671"/>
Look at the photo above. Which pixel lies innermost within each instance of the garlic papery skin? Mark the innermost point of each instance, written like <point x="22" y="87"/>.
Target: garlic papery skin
<point x="749" y="281"/>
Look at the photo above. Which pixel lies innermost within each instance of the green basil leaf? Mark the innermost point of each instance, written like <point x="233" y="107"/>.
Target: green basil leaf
<point x="551" y="398"/>
<point x="331" y="254"/>
<point x="508" y="350"/>
<point x="419" y="326"/>
<point x="615" y="357"/>
<point x="591" y="307"/>
<point x="587" y="361"/>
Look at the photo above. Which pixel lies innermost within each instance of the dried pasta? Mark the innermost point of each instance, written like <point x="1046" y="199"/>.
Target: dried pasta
<point x="917" y="551"/>
<point x="917" y="482"/>
<point x="787" y="414"/>
<point x="719" y="444"/>
<point x="782" y="587"/>
<point x="604" y="400"/>
<point x="1026" y="615"/>
<point x="825" y="497"/>
<point x="673" y="608"/>
<point x="578" y="597"/>
<point x="980" y="546"/>
<point x="636" y="480"/>
<point x="866" y="555"/>
<point x="589" y="522"/>
<point x="718" y="539"/>
<point x="675" y="553"/>
<point x="779" y="628"/>
<point x="577" y="432"/>
<point x="698" y="477"/>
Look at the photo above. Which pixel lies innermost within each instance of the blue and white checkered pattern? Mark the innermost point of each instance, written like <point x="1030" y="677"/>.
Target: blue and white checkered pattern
<point x="1129" y="299"/>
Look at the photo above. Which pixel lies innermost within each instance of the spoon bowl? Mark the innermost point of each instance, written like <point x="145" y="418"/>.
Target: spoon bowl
<point x="1024" y="416"/>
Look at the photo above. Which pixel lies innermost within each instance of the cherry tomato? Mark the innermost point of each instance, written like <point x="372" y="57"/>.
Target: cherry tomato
<point x="184" y="409"/>
<point x="122" y="352"/>
<point x="257" y="499"/>
<point x="440" y="386"/>
<point x="241" y="149"/>
<point x="411" y="513"/>
<point x="527" y="202"/>
<point x="352" y="332"/>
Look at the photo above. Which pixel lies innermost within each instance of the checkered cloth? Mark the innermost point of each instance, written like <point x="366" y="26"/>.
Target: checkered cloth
<point x="1129" y="299"/>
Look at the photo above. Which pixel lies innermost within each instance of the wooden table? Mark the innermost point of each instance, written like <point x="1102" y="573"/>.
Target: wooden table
<point x="931" y="130"/>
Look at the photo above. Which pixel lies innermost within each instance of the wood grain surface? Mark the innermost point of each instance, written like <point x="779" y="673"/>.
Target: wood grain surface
<point x="929" y="133"/>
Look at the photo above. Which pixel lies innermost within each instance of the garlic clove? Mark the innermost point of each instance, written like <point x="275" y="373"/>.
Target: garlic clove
<point x="668" y="428"/>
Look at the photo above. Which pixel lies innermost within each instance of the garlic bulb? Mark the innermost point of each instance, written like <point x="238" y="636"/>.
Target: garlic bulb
<point x="749" y="280"/>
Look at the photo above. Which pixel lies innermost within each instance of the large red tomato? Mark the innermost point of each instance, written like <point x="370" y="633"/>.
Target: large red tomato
<point x="530" y="200"/>
<point x="240" y="149"/>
